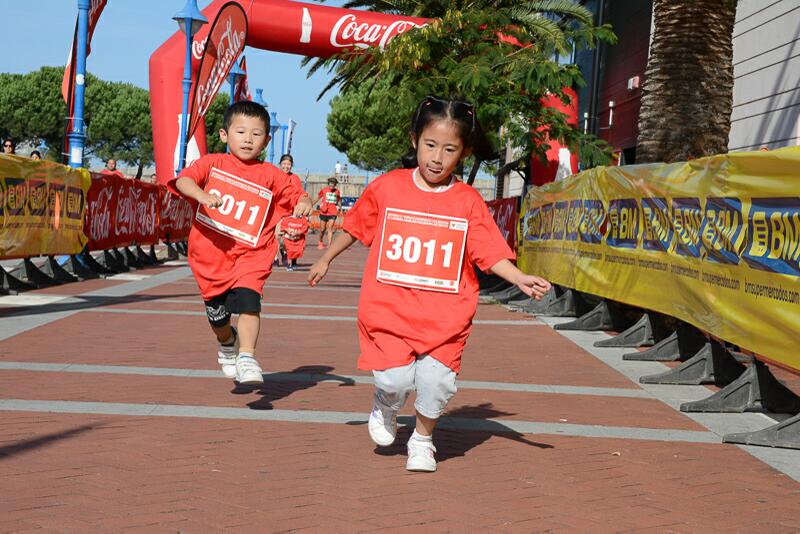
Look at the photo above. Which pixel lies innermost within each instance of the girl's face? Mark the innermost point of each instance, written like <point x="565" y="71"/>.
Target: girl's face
<point x="439" y="150"/>
<point x="286" y="166"/>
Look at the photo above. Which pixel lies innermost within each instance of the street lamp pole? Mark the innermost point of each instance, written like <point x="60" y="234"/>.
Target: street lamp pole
<point x="77" y="137"/>
<point x="190" y="20"/>
<point x="284" y="127"/>
<point x="273" y="128"/>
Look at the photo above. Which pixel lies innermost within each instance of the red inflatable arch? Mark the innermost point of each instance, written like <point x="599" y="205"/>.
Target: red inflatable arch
<point x="279" y="25"/>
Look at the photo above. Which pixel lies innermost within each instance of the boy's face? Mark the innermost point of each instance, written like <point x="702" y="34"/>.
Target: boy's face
<point x="246" y="137"/>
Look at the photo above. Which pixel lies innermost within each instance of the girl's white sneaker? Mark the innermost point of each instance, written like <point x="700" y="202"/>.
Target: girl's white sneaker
<point x="421" y="456"/>
<point x="382" y="424"/>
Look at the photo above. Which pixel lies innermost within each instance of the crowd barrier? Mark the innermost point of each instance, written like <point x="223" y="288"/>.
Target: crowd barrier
<point x="699" y="259"/>
<point x="50" y="210"/>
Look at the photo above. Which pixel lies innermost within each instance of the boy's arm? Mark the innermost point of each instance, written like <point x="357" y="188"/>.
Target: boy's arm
<point x="341" y="242"/>
<point x="190" y="189"/>
<point x="533" y="286"/>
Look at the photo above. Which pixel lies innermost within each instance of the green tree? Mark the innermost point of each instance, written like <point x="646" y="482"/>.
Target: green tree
<point x="687" y="96"/>
<point x="500" y="55"/>
<point x="366" y="125"/>
<point x="213" y="121"/>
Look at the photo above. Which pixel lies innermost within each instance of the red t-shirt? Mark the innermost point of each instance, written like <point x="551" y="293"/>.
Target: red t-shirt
<point x="218" y="261"/>
<point x="409" y="229"/>
<point x="330" y="200"/>
<point x="113" y="173"/>
<point x="294" y="236"/>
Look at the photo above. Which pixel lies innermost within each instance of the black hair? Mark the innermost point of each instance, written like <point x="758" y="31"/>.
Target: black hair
<point x="37" y="153"/>
<point x="248" y="109"/>
<point x="459" y="112"/>
<point x="287" y="156"/>
<point x="333" y="180"/>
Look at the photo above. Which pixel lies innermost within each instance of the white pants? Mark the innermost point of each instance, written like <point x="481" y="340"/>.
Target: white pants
<point x="434" y="382"/>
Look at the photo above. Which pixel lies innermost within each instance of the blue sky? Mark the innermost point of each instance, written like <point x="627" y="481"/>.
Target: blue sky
<point x="39" y="32"/>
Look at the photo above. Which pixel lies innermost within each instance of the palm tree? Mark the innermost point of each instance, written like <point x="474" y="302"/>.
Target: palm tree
<point x="688" y="90"/>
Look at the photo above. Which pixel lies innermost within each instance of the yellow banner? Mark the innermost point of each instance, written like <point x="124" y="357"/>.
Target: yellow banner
<point x="42" y="206"/>
<point x="714" y="242"/>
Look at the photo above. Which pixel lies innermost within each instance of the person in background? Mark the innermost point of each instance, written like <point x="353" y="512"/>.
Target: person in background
<point x="9" y="146"/>
<point x="35" y="155"/>
<point x="111" y="169"/>
<point x="330" y="203"/>
<point x="294" y="239"/>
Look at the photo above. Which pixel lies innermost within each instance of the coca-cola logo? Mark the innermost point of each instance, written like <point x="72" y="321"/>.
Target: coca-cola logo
<point x="229" y="45"/>
<point x="176" y="213"/>
<point x="100" y="215"/>
<point x="126" y="210"/>
<point x="349" y="32"/>
<point x="146" y="208"/>
<point x="505" y="217"/>
<point x="198" y="47"/>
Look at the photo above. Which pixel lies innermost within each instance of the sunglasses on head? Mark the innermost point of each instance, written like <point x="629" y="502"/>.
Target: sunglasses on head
<point x="461" y="109"/>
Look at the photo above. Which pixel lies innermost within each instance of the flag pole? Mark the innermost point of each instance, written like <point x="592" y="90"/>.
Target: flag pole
<point x="76" y="137"/>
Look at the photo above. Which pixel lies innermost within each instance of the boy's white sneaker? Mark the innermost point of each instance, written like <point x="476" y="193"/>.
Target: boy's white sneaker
<point x="248" y="372"/>
<point x="421" y="456"/>
<point x="382" y="424"/>
<point x="226" y="356"/>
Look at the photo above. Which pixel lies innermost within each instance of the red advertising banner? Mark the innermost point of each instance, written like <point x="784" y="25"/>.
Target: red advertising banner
<point x="225" y="43"/>
<point x="176" y="217"/>
<point x="504" y="213"/>
<point x="120" y="212"/>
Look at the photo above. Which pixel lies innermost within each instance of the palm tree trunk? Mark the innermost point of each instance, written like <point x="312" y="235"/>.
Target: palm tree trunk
<point x="688" y="91"/>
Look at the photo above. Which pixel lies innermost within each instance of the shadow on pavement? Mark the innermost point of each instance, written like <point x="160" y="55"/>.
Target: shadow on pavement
<point x="459" y="431"/>
<point x="86" y="303"/>
<point x="280" y="385"/>
<point x="8" y="451"/>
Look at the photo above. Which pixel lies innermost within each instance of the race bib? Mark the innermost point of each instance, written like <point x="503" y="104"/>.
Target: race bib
<point x="330" y="198"/>
<point x="422" y="250"/>
<point x="244" y="208"/>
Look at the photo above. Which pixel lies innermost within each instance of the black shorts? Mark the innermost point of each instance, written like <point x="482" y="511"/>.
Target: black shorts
<point x="326" y="218"/>
<point x="234" y="300"/>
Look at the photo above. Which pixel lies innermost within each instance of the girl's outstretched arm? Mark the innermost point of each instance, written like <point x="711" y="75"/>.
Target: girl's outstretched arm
<point x="533" y="286"/>
<point x="340" y="243"/>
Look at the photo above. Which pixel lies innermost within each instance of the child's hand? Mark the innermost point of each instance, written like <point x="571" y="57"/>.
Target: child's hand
<point x="533" y="286"/>
<point x="317" y="272"/>
<point x="303" y="207"/>
<point x="209" y="201"/>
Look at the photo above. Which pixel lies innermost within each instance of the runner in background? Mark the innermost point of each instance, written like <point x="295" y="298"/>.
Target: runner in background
<point x="330" y="203"/>
<point x="286" y="164"/>
<point x="294" y="239"/>
<point x="426" y="232"/>
<point x="232" y="240"/>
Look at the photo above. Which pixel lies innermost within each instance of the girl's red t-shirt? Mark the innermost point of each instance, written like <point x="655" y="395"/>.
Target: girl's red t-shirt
<point x="220" y="262"/>
<point x="330" y="201"/>
<point x="395" y="217"/>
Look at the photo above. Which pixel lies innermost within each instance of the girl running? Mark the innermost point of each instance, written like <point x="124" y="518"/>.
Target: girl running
<point x="426" y="232"/>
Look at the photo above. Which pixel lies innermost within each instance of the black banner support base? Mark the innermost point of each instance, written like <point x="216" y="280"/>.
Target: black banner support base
<point x="784" y="435"/>
<point x="569" y="303"/>
<point x="503" y="296"/>
<point x="712" y="364"/>
<point x="30" y="273"/>
<point x="605" y="316"/>
<point x="112" y="262"/>
<point x="640" y="334"/>
<point x="80" y="269"/>
<point x="52" y="269"/>
<point x="678" y="346"/>
<point x="499" y="286"/>
<point x="756" y="390"/>
<point x="130" y="259"/>
<point x="183" y="248"/>
<point x="172" y="252"/>
<point x="101" y="267"/>
<point x="144" y="257"/>
<point x="11" y="285"/>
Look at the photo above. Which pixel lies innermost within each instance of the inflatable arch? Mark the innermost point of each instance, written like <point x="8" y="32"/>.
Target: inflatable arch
<point x="278" y="25"/>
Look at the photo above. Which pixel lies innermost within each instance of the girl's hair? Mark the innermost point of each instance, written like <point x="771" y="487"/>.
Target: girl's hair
<point x="459" y="112"/>
<point x="37" y="153"/>
<point x="287" y="156"/>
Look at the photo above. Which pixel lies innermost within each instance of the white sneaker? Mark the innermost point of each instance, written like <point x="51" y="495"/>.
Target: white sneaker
<point x="382" y="424"/>
<point x="421" y="456"/>
<point x="226" y="356"/>
<point x="248" y="372"/>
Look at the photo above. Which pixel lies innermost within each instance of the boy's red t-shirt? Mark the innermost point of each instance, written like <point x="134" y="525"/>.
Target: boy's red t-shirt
<point x="220" y="262"/>
<point x="398" y="323"/>
<point x="294" y="236"/>
<point x="329" y="204"/>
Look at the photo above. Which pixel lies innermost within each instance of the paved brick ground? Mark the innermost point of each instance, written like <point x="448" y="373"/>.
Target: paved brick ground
<point x="117" y="463"/>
